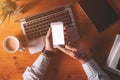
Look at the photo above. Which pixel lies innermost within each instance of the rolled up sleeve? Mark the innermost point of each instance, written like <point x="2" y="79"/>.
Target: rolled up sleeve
<point x="94" y="72"/>
<point x="37" y="70"/>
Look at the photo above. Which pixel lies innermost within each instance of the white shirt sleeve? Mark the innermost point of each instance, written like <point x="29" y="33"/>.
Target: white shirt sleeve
<point x="94" y="72"/>
<point x="37" y="70"/>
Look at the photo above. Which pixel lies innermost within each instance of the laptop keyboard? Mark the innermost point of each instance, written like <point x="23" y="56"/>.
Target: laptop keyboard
<point x="38" y="25"/>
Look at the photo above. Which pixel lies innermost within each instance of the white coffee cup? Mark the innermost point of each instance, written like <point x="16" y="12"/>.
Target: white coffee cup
<point x="11" y="44"/>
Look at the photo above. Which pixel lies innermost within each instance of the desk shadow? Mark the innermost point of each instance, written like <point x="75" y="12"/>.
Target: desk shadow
<point x="102" y="43"/>
<point x="100" y="49"/>
<point x="54" y="66"/>
<point x="63" y="67"/>
<point x="29" y="5"/>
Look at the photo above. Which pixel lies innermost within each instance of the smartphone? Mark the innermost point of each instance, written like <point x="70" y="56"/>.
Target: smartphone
<point x="57" y="34"/>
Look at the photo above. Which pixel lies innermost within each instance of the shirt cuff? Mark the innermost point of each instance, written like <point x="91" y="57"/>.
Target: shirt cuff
<point x="91" y="68"/>
<point x="42" y="60"/>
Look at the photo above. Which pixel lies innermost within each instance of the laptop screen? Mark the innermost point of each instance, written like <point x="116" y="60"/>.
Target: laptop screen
<point x="99" y="12"/>
<point x="118" y="65"/>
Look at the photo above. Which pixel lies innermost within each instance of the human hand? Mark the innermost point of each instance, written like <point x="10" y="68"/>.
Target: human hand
<point x="48" y="41"/>
<point x="76" y="51"/>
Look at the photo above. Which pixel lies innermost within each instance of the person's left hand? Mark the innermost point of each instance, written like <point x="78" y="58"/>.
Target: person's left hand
<point x="48" y="41"/>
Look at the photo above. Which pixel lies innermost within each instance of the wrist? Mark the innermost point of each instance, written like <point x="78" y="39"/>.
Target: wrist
<point x="48" y="53"/>
<point x="83" y="61"/>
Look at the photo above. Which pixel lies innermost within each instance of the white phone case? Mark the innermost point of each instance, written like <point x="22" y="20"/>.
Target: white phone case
<point x="57" y="34"/>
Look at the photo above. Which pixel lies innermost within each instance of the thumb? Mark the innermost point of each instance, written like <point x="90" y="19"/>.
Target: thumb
<point x="66" y="51"/>
<point x="63" y="49"/>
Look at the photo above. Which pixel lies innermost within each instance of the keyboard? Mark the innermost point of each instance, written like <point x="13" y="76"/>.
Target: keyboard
<point x="37" y="25"/>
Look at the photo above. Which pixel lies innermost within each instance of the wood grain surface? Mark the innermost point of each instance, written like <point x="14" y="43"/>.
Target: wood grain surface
<point x="62" y="67"/>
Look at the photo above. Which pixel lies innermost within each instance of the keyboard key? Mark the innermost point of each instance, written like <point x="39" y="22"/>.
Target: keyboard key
<point x="40" y="24"/>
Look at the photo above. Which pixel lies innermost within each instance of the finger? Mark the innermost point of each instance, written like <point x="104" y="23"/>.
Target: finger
<point x="64" y="28"/>
<point x="48" y="40"/>
<point x="73" y="45"/>
<point x="65" y="35"/>
<point x="63" y="49"/>
<point x="70" y="48"/>
<point x="49" y="37"/>
<point x="70" y="44"/>
<point x="49" y="33"/>
<point x="66" y="51"/>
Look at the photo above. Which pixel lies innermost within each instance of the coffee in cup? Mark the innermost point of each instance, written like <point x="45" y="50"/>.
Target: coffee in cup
<point x="11" y="44"/>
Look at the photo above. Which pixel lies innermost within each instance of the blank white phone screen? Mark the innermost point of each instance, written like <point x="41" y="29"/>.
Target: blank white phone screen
<point x="57" y="34"/>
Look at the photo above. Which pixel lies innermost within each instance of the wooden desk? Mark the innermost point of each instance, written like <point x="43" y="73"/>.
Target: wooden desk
<point x="62" y="66"/>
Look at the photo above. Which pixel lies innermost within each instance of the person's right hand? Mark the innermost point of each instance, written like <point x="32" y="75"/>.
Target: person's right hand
<point x="76" y="51"/>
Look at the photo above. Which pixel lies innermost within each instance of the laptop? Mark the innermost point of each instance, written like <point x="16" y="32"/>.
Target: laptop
<point x="113" y="61"/>
<point x="99" y="12"/>
<point x="35" y="27"/>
